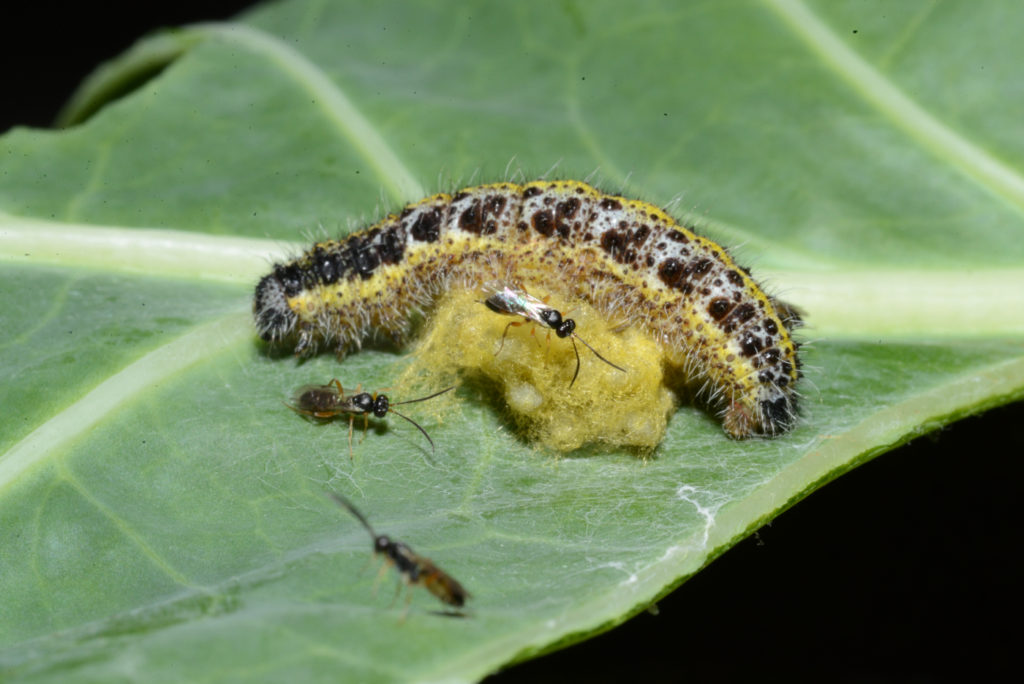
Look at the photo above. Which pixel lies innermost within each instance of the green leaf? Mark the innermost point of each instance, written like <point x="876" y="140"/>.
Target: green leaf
<point x="163" y="513"/>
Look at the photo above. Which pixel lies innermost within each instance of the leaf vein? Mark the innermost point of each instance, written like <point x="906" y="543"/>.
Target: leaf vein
<point x="943" y="142"/>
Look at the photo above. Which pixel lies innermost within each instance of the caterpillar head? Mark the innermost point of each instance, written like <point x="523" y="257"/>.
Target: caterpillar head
<point x="274" y="318"/>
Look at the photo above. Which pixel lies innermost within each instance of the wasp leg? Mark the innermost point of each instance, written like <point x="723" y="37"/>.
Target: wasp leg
<point x="351" y="419"/>
<point x="505" y="334"/>
<point x="380" y="575"/>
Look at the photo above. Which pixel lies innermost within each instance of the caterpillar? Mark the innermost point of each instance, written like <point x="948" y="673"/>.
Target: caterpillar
<point x="628" y="259"/>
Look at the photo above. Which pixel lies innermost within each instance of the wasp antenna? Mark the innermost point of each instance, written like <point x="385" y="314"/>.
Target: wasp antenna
<point x="413" y="401"/>
<point x="598" y="355"/>
<point x="418" y="427"/>
<point x="577" y="351"/>
<point x="347" y="505"/>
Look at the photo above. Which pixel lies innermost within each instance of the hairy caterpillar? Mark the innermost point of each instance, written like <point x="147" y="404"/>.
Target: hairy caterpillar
<point x="627" y="258"/>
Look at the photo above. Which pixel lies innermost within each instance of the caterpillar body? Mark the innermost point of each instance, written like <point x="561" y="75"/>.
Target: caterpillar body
<point x="630" y="260"/>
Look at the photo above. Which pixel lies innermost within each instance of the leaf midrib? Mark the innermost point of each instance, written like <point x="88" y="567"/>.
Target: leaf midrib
<point x="840" y="301"/>
<point x="49" y="439"/>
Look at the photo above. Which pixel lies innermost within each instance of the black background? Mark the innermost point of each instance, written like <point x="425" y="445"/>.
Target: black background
<point x="905" y="570"/>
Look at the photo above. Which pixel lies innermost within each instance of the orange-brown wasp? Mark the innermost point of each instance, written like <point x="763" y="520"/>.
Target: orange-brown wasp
<point x="413" y="568"/>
